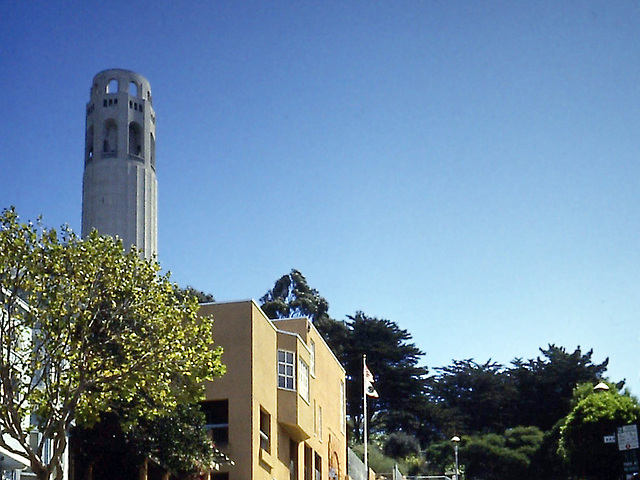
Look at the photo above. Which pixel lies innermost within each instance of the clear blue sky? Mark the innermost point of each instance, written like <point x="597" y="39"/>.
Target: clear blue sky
<point x="467" y="169"/>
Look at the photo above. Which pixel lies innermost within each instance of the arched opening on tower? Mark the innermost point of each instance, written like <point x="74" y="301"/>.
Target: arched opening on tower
<point x="133" y="89"/>
<point x="135" y="139"/>
<point x="89" y="145"/>
<point x="153" y="150"/>
<point x="110" y="142"/>
<point x="112" y="86"/>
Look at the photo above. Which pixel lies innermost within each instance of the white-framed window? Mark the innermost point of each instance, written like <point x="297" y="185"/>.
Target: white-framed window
<point x="265" y="431"/>
<point x="303" y="380"/>
<point x="286" y="370"/>
<point x="319" y="433"/>
<point x="312" y="349"/>
<point x="343" y="411"/>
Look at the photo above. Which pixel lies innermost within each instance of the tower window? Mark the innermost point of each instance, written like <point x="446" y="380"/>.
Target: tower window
<point x="110" y="143"/>
<point x="135" y="139"/>
<point x="133" y="89"/>
<point x="89" y="144"/>
<point x="112" y="86"/>
<point x="153" y="150"/>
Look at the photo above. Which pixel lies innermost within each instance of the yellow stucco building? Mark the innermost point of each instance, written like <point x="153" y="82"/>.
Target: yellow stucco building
<point x="279" y="411"/>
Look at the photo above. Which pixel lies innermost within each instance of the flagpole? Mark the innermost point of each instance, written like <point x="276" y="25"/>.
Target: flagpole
<point x="364" y="409"/>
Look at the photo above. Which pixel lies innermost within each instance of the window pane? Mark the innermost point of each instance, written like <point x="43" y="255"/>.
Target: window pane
<point x="303" y="380"/>
<point x="286" y="369"/>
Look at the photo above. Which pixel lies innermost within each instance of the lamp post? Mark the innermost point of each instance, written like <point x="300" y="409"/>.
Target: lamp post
<point x="456" y="440"/>
<point x="601" y="387"/>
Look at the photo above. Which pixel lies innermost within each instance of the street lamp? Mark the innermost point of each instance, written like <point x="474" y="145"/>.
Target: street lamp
<point x="456" y="440"/>
<point x="601" y="387"/>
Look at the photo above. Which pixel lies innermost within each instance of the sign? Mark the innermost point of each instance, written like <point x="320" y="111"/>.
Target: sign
<point x="628" y="437"/>
<point x="630" y="462"/>
<point x="610" y="438"/>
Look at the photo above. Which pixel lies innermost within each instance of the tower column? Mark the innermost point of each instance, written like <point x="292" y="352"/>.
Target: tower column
<point x="119" y="193"/>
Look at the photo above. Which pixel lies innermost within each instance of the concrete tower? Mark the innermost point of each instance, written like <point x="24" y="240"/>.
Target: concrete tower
<point x="120" y="189"/>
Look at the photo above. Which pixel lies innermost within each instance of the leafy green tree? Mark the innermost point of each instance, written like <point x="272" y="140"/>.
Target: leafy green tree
<point x="189" y="291"/>
<point x="391" y="356"/>
<point x="472" y="397"/>
<point x="525" y="440"/>
<point x="581" y="435"/>
<point x="178" y="441"/>
<point x="292" y="296"/>
<point x="490" y="456"/>
<point x="547" y="463"/>
<point x="439" y="457"/>
<point x="103" y="451"/>
<point x="545" y="385"/>
<point x="87" y="328"/>
<point x="393" y="359"/>
<point x="401" y="445"/>
<point x="378" y="461"/>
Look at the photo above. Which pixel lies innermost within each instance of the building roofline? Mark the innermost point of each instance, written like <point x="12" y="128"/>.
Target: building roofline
<point x="248" y="300"/>
<point x="293" y="334"/>
<point x="273" y="322"/>
<point x="319" y="336"/>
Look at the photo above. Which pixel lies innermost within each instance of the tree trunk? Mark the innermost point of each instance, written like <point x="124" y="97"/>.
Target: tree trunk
<point x="143" y="471"/>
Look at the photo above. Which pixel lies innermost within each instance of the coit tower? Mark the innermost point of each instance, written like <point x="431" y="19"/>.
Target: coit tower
<point x="120" y="189"/>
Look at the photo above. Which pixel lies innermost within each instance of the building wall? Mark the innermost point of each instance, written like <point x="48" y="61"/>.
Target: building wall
<point x="264" y="379"/>
<point x="327" y="390"/>
<point x="232" y="328"/>
<point x="303" y="434"/>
